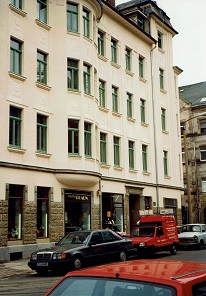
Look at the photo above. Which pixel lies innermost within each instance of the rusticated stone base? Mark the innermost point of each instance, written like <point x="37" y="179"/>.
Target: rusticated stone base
<point x="29" y="223"/>
<point x="3" y="222"/>
<point x="56" y="228"/>
<point x="95" y="214"/>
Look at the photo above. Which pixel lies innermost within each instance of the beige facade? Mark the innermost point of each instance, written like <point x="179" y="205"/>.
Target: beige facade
<point x="66" y="155"/>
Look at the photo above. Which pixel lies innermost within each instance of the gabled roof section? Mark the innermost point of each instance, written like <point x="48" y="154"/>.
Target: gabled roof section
<point x="194" y="93"/>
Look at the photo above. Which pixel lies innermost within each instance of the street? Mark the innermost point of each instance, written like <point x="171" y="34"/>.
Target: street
<point x="23" y="281"/>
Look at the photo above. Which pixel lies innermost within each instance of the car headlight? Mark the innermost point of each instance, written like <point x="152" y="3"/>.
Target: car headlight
<point x="57" y="256"/>
<point x="195" y="238"/>
<point x="142" y="244"/>
<point x="34" y="257"/>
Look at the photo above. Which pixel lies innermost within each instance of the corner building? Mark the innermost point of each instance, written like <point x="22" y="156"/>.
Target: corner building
<point x="89" y="119"/>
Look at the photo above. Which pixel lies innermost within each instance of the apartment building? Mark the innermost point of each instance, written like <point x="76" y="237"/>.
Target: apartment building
<point x="193" y="120"/>
<point x="89" y="119"/>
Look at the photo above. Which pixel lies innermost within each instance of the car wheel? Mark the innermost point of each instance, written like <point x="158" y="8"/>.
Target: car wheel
<point x="122" y="256"/>
<point x="173" y="250"/>
<point x="77" y="263"/>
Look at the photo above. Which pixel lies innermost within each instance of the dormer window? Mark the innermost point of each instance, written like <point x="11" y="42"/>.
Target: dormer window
<point x="140" y="21"/>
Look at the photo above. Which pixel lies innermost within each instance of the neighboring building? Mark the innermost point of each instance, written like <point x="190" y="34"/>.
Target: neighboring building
<point x="192" y="110"/>
<point x="89" y="119"/>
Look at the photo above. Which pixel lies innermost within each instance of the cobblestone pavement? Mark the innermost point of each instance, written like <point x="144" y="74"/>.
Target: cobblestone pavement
<point x="12" y="268"/>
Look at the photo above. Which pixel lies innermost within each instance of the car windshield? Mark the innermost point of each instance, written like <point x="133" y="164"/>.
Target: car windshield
<point x="76" y="237"/>
<point x="191" y="228"/>
<point x="143" y="231"/>
<point x="94" y="286"/>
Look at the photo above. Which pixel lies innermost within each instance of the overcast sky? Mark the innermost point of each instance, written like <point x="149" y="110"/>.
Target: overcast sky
<point x="189" y="46"/>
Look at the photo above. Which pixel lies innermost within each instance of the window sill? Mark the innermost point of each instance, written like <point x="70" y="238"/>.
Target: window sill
<point x="115" y="65"/>
<point x="165" y="132"/>
<point x="43" y="240"/>
<point x="75" y="155"/>
<point x="16" y="149"/>
<point x="17" y="76"/>
<point x="103" y="109"/>
<point x="42" y="154"/>
<point x="17" y="10"/>
<point x="161" y="50"/>
<point x="144" y="124"/>
<point x="87" y="39"/>
<point x="105" y="166"/>
<point x="133" y="171"/>
<point x="89" y="158"/>
<point x="14" y="242"/>
<point x="73" y="91"/>
<point x="43" y="86"/>
<point x="142" y="79"/>
<point x="117" y="168"/>
<point x="43" y="25"/>
<point x="116" y="114"/>
<point x="131" y="119"/>
<point x="163" y="91"/>
<point x="146" y="173"/>
<point x="89" y="96"/>
<point x="130" y="73"/>
<point x="167" y="177"/>
<point x="77" y="34"/>
<point x="103" y="58"/>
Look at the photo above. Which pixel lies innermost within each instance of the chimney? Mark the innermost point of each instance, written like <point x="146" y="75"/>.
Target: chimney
<point x="111" y="2"/>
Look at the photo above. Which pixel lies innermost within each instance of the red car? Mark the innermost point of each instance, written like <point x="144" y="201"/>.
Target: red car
<point x="135" y="278"/>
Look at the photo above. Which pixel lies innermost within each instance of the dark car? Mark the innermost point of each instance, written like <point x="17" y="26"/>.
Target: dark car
<point x="80" y="247"/>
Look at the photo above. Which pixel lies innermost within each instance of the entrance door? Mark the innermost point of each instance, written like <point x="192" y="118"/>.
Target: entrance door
<point x="134" y="207"/>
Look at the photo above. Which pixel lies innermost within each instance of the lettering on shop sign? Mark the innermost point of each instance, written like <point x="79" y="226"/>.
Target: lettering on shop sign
<point x="79" y="197"/>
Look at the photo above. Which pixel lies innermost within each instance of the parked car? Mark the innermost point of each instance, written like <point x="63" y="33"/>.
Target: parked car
<point x="80" y="247"/>
<point x="193" y="235"/>
<point x="135" y="278"/>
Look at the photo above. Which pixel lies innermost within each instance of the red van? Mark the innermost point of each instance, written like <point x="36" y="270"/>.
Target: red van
<point x="155" y="233"/>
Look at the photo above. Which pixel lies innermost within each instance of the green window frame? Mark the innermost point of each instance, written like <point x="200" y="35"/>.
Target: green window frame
<point x="100" y="43"/>
<point x="163" y="119"/>
<point x="41" y="67"/>
<point x="161" y="76"/>
<point x="115" y="107"/>
<point x="72" y="74"/>
<point x="16" y="56"/>
<point x="142" y="110"/>
<point x="103" y="148"/>
<point x="128" y="58"/>
<point x="129" y="105"/>
<point x="73" y="136"/>
<point x="141" y="67"/>
<point x="113" y="50"/>
<point x="102" y="93"/>
<point x="15" y="127"/>
<point x="72" y="17"/>
<point x="165" y="162"/>
<point x="87" y="78"/>
<point x="17" y="3"/>
<point x="86" y="23"/>
<point x="116" y="143"/>
<point x="131" y="154"/>
<point x="160" y="39"/>
<point x="41" y="133"/>
<point x="144" y="158"/>
<point x="42" y="10"/>
<point x="140" y="21"/>
<point x="87" y="139"/>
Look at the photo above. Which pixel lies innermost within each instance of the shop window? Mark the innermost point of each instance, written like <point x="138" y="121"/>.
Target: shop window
<point x="15" y="199"/>
<point x="171" y="203"/>
<point x="42" y="211"/>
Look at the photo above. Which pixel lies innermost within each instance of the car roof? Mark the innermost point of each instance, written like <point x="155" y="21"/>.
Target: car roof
<point x="147" y="270"/>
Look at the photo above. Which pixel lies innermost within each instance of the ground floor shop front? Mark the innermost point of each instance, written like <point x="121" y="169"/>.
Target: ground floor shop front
<point x="38" y="208"/>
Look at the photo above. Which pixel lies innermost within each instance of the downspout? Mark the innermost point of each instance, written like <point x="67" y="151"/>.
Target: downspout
<point x="155" y="136"/>
<point x="102" y="10"/>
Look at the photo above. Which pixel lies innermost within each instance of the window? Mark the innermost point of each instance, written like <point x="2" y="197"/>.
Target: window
<point x="163" y="119"/>
<point x="116" y="142"/>
<point x="129" y="105"/>
<point x="204" y="184"/>
<point x="161" y="76"/>
<point x="41" y="133"/>
<point x="42" y="10"/>
<point x="72" y="17"/>
<point x="115" y="99"/>
<point x="131" y="155"/>
<point x="142" y="110"/>
<point x="87" y="139"/>
<point x="87" y="84"/>
<point x="42" y="211"/>
<point x="202" y="126"/>
<point x="128" y="58"/>
<point x="103" y="148"/>
<point x="41" y="67"/>
<point x="102" y="93"/>
<point x="183" y="156"/>
<point x="15" y="127"/>
<point x="113" y="50"/>
<point x="72" y="74"/>
<point x="16" y="56"/>
<point x="140" y="21"/>
<point x="73" y="136"/>
<point x="15" y="211"/>
<point x="160" y="40"/>
<point x="203" y="153"/>
<point x="17" y="3"/>
<point x="141" y="67"/>
<point x="100" y="43"/>
<point x="86" y="23"/>
<point x="144" y="158"/>
<point x="165" y="162"/>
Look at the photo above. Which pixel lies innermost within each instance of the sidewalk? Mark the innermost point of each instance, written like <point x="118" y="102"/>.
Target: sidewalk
<point x="12" y="268"/>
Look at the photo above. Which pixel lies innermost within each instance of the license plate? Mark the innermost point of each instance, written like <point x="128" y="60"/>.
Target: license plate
<point x="42" y="263"/>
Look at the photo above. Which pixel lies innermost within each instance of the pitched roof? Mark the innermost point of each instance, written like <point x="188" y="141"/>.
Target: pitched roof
<point x="194" y="93"/>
